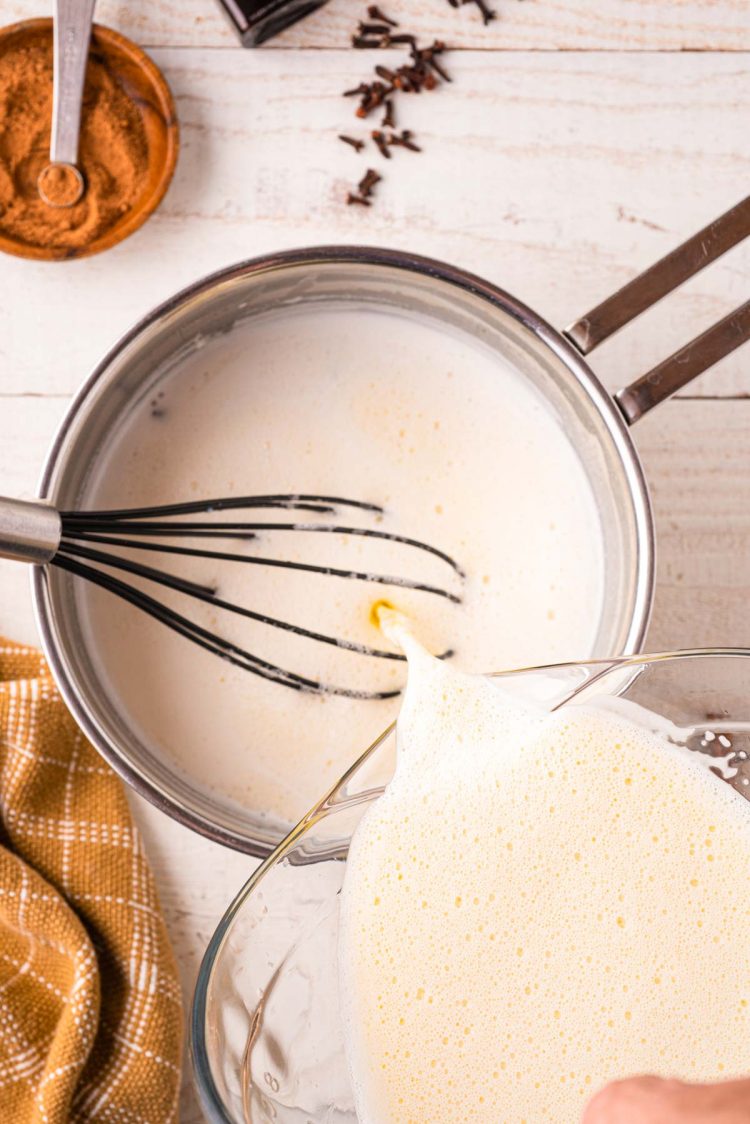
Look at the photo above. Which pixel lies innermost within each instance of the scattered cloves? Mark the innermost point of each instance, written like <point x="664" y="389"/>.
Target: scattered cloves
<point x="423" y="71"/>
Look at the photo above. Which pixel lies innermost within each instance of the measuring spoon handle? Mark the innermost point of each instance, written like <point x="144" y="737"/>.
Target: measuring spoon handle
<point x="72" y="33"/>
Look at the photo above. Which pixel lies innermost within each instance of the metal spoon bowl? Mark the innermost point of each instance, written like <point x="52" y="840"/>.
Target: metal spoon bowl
<point x="61" y="184"/>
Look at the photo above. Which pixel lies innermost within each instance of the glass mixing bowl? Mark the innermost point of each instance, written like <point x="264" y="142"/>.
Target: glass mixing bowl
<point x="266" y="1029"/>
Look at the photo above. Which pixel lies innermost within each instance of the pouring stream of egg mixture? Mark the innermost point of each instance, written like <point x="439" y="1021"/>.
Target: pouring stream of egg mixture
<point x="539" y="903"/>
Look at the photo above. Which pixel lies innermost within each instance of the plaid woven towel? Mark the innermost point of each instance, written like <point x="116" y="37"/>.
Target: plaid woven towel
<point x="90" y="1014"/>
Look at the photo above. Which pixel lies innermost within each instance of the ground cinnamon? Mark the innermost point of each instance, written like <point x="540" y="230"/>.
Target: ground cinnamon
<point x="113" y="152"/>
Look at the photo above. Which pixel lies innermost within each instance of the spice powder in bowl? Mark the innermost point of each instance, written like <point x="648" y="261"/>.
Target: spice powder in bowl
<point x="127" y="152"/>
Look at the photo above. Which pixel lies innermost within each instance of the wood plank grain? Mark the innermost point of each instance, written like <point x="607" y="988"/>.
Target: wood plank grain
<point x="611" y="25"/>
<point x="27" y="426"/>
<point x="697" y="459"/>
<point x="557" y="177"/>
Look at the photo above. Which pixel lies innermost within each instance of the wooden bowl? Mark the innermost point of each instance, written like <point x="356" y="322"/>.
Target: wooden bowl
<point x="142" y="81"/>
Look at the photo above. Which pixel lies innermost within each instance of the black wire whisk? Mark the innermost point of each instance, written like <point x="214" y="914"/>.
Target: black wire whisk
<point x="71" y="541"/>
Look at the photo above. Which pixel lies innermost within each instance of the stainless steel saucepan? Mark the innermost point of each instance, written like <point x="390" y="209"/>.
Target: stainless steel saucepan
<point x="597" y="424"/>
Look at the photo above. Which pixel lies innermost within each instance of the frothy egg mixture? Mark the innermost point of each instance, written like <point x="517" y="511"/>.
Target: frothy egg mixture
<point x="538" y="904"/>
<point x="461" y="450"/>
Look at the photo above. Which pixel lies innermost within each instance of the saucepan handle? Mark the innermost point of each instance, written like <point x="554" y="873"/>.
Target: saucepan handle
<point x="29" y="532"/>
<point x="634" y="298"/>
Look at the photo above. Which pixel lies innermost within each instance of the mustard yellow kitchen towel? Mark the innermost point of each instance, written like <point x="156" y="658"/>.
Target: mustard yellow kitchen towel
<point x="90" y="1013"/>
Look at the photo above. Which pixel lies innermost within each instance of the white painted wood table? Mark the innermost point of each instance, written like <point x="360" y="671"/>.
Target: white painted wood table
<point x="579" y="142"/>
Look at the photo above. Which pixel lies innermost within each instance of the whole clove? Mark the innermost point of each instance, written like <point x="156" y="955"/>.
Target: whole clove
<point x="385" y="141"/>
<point x="371" y="35"/>
<point x="375" y="13"/>
<point x="487" y="13"/>
<point x="381" y="143"/>
<point x="361" y="197"/>
<point x="357" y="145"/>
<point x="371" y="94"/>
<point x="404" y="139"/>
<point x="368" y="181"/>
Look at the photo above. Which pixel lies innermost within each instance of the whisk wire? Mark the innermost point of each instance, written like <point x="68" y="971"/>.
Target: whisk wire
<point x="289" y="502"/>
<point x="246" y="531"/>
<point x="134" y="529"/>
<point x="279" y="563"/>
<point x="208" y="640"/>
<point x="209" y="596"/>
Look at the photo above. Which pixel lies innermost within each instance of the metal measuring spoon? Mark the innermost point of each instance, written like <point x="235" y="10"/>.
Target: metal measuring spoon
<point x="61" y="182"/>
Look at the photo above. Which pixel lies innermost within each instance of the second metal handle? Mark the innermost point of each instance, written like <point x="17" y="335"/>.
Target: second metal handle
<point x="645" y="290"/>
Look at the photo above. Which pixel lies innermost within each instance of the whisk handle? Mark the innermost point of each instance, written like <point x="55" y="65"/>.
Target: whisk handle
<point x="29" y="532"/>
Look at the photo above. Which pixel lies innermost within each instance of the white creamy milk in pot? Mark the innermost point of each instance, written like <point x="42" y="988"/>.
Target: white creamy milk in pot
<point x="460" y="449"/>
